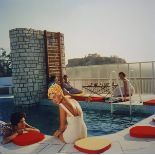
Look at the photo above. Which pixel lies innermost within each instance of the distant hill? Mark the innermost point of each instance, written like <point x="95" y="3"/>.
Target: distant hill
<point x="94" y="59"/>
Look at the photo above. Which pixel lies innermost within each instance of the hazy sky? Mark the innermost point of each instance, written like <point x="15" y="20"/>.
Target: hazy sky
<point x="125" y="28"/>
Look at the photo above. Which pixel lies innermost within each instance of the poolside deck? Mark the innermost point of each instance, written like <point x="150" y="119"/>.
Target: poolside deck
<point x="136" y="99"/>
<point x="6" y="96"/>
<point x="121" y="143"/>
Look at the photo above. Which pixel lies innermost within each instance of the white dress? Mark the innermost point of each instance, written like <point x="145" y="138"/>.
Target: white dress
<point x="130" y="89"/>
<point x="76" y="127"/>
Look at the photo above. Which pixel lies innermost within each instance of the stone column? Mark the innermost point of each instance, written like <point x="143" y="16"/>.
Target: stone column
<point x="29" y="62"/>
<point x="28" y="65"/>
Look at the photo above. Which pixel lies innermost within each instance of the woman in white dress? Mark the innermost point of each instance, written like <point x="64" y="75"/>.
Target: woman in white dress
<point x="126" y="87"/>
<point x="72" y="126"/>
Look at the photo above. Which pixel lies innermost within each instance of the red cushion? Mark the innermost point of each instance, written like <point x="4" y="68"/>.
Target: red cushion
<point x="142" y="132"/>
<point x="28" y="138"/>
<point x="97" y="99"/>
<point x="149" y="102"/>
<point x="89" y="98"/>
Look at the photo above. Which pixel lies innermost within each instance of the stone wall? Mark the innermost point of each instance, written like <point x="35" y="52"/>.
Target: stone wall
<point x="28" y="65"/>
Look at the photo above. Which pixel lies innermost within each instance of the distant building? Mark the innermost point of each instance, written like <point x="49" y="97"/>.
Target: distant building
<point x="94" y="55"/>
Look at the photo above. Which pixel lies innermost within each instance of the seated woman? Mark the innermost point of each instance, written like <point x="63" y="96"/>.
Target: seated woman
<point x="17" y="126"/>
<point x="72" y="126"/>
<point x="125" y="87"/>
<point x="68" y="89"/>
<point x="52" y="79"/>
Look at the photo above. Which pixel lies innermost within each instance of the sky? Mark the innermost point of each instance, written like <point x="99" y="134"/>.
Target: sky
<point x="124" y="28"/>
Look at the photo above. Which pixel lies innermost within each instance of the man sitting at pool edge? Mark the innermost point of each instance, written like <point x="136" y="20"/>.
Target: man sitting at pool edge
<point x="68" y="89"/>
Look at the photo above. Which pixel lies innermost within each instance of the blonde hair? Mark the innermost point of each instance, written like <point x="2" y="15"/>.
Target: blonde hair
<point x="55" y="89"/>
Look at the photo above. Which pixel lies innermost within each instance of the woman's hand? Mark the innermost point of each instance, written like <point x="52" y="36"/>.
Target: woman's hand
<point x="57" y="133"/>
<point x="32" y="129"/>
<point x="36" y="130"/>
<point x="20" y="131"/>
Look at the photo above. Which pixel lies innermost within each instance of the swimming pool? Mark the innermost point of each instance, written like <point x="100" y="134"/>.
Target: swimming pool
<point x="98" y="121"/>
<point x="101" y="122"/>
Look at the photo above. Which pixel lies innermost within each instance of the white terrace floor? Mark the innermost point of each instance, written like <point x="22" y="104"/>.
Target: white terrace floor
<point x="121" y="143"/>
<point x="136" y="99"/>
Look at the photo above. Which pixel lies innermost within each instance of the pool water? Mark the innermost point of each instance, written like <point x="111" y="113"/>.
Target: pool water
<point x="46" y="118"/>
<point x="100" y="122"/>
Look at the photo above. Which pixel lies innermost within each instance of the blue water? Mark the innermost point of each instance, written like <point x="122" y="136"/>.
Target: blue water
<point x="101" y="122"/>
<point x="46" y="118"/>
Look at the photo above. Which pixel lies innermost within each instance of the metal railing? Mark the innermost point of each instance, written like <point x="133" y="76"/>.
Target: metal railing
<point x="145" y="85"/>
<point x="145" y="75"/>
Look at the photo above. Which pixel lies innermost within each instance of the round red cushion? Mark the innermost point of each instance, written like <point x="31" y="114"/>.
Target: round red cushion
<point x="150" y="102"/>
<point x="143" y="132"/>
<point x="93" y="145"/>
<point x="28" y="138"/>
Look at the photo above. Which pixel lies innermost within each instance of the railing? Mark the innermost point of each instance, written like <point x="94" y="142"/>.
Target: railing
<point x="142" y="79"/>
<point x="145" y="85"/>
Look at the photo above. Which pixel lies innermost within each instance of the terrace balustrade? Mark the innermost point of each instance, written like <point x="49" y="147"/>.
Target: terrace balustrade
<point x="143" y="76"/>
